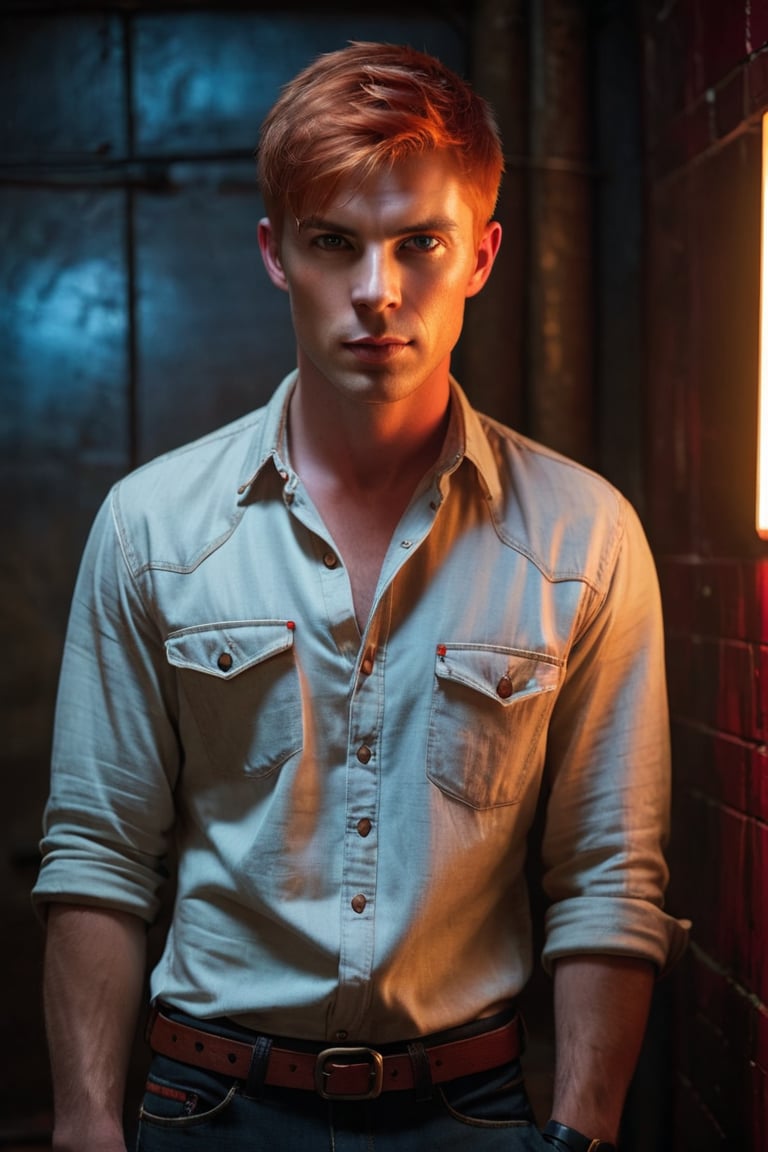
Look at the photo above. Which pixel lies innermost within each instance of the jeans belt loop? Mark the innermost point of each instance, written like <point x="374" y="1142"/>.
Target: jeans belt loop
<point x="422" y="1072"/>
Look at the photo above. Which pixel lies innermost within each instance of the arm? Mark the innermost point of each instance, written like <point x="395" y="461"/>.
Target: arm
<point x="607" y="823"/>
<point x="601" y="1008"/>
<point x="93" y="983"/>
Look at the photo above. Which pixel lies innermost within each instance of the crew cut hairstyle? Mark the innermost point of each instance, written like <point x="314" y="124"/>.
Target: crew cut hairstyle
<point x="357" y="111"/>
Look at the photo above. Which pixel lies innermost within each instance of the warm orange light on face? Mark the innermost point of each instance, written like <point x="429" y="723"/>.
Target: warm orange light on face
<point x="762" y="416"/>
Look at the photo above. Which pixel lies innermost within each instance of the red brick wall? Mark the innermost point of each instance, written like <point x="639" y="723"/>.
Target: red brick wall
<point x="706" y="85"/>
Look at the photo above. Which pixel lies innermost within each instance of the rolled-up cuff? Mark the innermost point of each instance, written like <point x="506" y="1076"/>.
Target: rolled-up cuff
<point x="86" y="883"/>
<point x="614" y="926"/>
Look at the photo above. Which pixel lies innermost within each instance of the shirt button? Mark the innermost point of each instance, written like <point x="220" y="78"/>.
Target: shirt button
<point x="358" y="903"/>
<point x="224" y="661"/>
<point x="367" y="665"/>
<point x="364" y="826"/>
<point x="364" y="753"/>
<point x="341" y="1034"/>
<point x="504" y="688"/>
<point x="330" y="559"/>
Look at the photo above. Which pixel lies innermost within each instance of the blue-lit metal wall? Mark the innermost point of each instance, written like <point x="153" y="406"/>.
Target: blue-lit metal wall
<point x="134" y="315"/>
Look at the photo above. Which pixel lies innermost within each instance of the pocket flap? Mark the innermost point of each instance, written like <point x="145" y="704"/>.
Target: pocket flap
<point x="506" y="675"/>
<point x="226" y="649"/>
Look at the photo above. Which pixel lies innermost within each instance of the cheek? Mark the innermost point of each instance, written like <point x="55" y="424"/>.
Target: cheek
<point x="309" y="300"/>
<point x="446" y="307"/>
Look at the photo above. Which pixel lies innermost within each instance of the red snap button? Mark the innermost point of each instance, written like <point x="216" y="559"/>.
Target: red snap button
<point x="504" y="688"/>
<point x="225" y="661"/>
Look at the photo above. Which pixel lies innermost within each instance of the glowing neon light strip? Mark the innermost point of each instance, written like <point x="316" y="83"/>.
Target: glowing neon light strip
<point x="762" y="419"/>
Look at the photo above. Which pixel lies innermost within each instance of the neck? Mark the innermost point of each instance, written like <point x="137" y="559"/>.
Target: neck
<point x="365" y="446"/>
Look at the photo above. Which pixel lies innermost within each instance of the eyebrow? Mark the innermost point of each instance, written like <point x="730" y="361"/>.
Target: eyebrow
<point x="432" y="224"/>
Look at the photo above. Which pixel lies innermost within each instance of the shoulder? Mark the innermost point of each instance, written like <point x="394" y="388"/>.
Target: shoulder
<point x="172" y="511"/>
<point x="570" y="521"/>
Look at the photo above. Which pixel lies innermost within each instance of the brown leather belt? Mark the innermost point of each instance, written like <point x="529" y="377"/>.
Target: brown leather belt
<point x="338" y="1073"/>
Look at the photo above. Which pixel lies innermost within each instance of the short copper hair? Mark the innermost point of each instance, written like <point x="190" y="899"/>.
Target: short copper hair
<point x="357" y="111"/>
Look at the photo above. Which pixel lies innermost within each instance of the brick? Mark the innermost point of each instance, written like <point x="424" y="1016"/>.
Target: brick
<point x="680" y="683"/>
<point x="761" y="693"/>
<point x="732" y="936"/>
<point x="718" y="599"/>
<point x="757" y="974"/>
<point x="755" y="600"/>
<point x="677" y="580"/>
<point x="757" y="785"/>
<point x="737" y="708"/>
<point x="75" y="108"/>
<point x="723" y="690"/>
<point x="708" y="863"/>
<point x="731" y="772"/>
<point x="719" y="1047"/>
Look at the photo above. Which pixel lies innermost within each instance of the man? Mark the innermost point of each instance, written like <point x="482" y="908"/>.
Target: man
<point x="340" y="651"/>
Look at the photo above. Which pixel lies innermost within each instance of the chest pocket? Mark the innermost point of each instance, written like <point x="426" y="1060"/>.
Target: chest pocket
<point x="488" y="722"/>
<point x="240" y="685"/>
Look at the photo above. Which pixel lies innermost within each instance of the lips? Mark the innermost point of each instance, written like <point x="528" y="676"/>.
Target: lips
<point x="376" y="349"/>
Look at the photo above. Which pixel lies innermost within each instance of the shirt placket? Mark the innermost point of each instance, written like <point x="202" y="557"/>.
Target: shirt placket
<point x="361" y="838"/>
<point x="357" y="907"/>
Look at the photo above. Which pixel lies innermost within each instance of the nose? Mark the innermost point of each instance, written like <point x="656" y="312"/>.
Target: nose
<point x="376" y="285"/>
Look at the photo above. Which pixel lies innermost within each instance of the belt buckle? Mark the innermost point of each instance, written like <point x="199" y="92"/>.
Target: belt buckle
<point x="375" y="1072"/>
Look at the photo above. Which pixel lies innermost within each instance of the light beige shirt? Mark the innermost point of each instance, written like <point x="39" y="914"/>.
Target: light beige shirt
<point x="351" y="812"/>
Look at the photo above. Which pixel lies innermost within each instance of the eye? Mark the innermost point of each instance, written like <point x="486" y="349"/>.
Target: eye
<point x="330" y="242"/>
<point x="422" y="243"/>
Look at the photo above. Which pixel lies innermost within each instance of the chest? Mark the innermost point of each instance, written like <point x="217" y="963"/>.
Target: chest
<point x="362" y="533"/>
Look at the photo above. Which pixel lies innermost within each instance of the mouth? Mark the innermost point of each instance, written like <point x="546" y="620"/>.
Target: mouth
<point x="376" y="349"/>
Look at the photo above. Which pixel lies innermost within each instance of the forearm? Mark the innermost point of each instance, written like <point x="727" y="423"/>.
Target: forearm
<point x="94" y="975"/>
<point x="601" y="1009"/>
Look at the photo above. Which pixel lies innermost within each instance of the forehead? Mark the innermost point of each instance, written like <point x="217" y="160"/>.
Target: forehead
<point x="412" y="192"/>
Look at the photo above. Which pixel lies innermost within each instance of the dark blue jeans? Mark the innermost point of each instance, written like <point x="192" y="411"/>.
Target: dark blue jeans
<point x="186" y="1107"/>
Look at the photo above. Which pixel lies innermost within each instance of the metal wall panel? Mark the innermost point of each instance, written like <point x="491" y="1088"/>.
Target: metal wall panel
<point x="61" y="87"/>
<point x="203" y="81"/>
<point x="213" y="335"/>
<point x="134" y="315"/>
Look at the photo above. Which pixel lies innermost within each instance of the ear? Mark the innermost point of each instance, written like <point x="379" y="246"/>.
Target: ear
<point x="486" y="254"/>
<point x="270" y="254"/>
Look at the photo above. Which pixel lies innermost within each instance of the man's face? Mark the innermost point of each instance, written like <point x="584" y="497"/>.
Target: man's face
<point x="377" y="283"/>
